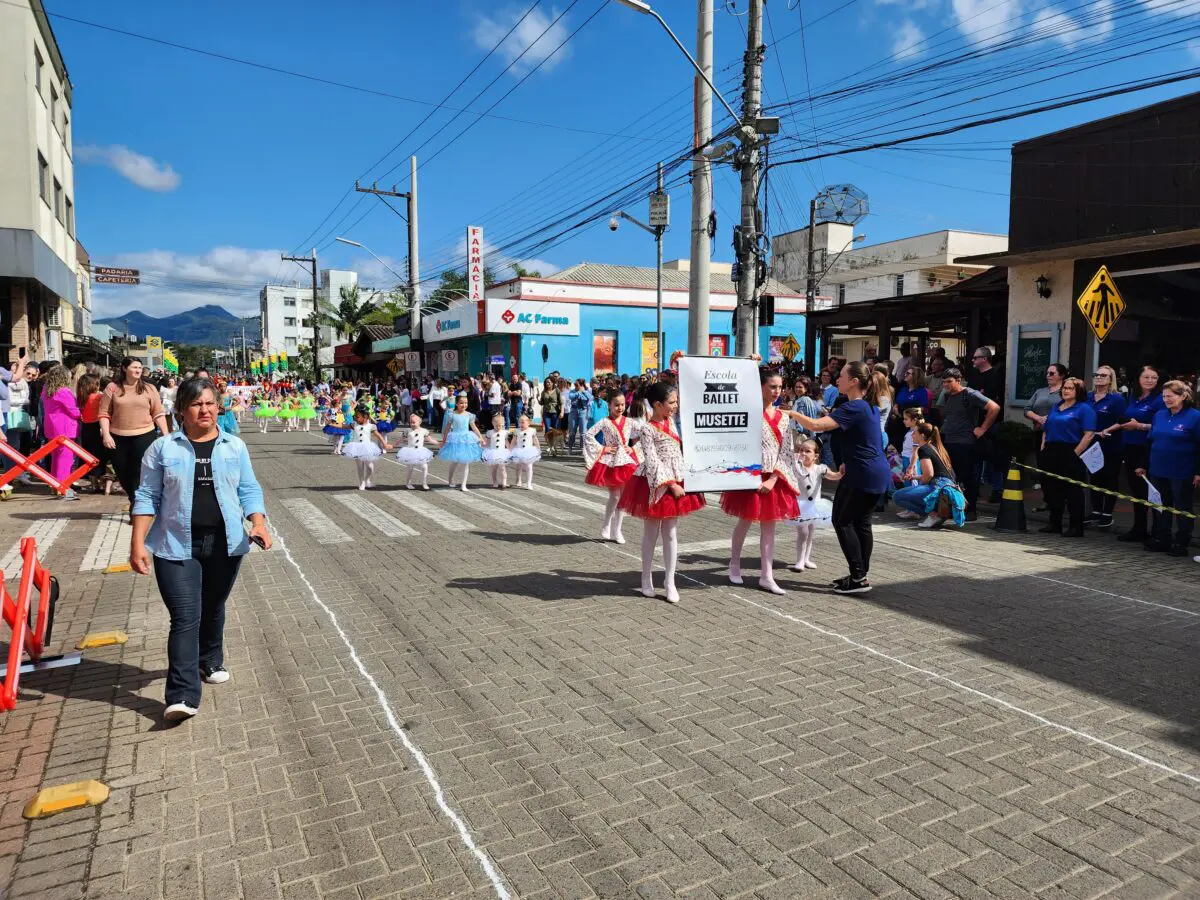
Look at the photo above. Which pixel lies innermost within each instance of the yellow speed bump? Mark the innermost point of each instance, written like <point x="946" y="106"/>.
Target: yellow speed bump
<point x="65" y="796"/>
<point x="101" y="639"/>
<point x="118" y="567"/>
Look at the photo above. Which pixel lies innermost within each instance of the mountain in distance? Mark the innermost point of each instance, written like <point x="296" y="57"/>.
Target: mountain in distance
<point x="204" y="326"/>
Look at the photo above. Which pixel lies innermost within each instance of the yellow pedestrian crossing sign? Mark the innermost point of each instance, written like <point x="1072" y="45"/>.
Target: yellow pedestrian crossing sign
<point x="1101" y="303"/>
<point x="790" y="347"/>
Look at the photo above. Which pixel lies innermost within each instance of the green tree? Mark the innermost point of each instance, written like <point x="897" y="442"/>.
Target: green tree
<point x="519" y="271"/>
<point x="453" y="289"/>
<point x="351" y="313"/>
<point x="386" y="310"/>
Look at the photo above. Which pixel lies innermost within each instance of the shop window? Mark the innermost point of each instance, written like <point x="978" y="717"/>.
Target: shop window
<point x="604" y="352"/>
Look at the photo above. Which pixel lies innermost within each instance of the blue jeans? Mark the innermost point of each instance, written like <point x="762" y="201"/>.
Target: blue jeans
<point x="513" y="413"/>
<point x="913" y="498"/>
<point x="1179" y="495"/>
<point x="194" y="591"/>
<point x="576" y="422"/>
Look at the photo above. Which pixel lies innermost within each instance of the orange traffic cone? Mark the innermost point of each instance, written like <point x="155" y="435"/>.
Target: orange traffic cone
<point x="1011" y="517"/>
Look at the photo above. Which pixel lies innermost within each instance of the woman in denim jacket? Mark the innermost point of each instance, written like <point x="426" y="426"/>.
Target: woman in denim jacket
<point x="197" y="487"/>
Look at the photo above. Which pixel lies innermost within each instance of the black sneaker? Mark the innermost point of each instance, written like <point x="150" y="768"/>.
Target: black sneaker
<point x="971" y="516"/>
<point x="1178" y="551"/>
<point x="215" y="675"/>
<point x="850" y="585"/>
<point x="1103" y="520"/>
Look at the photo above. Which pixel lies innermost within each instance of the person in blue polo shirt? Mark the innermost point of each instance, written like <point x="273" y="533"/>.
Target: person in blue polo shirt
<point x="1174" y="467"/>
<point x="1066" y="433"/>
<point x="1111" y="412"/>
<point x="1144" y="404"/>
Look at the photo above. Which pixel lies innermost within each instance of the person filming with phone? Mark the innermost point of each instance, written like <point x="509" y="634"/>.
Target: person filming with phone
<point x="197" y="487"/>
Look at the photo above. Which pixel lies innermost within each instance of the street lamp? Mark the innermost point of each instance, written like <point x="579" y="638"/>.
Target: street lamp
<point x="642" y="7"/>
<point x="342" y="240"/>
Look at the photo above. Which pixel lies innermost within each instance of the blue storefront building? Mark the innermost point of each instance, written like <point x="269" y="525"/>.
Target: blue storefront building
<point x="592" y="319"/>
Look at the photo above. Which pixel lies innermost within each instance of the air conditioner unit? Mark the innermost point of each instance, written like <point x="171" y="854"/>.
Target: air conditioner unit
<point x="53" y="317"/>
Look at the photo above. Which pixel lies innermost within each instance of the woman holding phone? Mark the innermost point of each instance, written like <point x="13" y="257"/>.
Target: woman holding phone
<point x="197" y="485"/>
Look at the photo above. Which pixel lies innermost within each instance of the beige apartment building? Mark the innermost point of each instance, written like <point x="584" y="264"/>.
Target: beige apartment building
<point x="38" y="251"/>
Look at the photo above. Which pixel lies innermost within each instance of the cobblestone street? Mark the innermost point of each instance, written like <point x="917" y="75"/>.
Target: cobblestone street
<point x="456" y="695"/>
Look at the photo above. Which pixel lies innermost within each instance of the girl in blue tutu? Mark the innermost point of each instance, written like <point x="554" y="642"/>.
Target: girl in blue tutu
<point x="461" y="441"/>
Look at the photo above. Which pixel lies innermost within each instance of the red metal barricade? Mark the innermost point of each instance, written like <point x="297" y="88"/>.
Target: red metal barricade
<point x="27" y="637"/>
<point x="28" y="464"/>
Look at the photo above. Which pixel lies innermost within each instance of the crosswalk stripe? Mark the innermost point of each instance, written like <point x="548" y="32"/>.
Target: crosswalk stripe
<point x="573" y="499"/>
<point x="385" y="522"/>
<point x="110" y="543"/>
<point x="481" y="506"/>
<point x="45" y="532"/>
<point x="423" y="507"/>
<point x="544" y="511"/>
<point x="702" y="547"/>
<point x="320" y="525"/>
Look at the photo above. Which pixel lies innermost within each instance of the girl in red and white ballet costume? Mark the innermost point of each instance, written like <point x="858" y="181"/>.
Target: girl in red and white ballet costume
<point x="776" y="498"/>
<point x="655" y="492"/>
<point x="611" y="464"/>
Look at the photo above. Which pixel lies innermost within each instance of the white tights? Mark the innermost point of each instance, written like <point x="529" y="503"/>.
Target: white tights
<point x="669" y="529"/>
<point x="766" y="546"/>
<point x="804" y="542"/>
<point x="366" y="471"/>
<point x="611" y="531"/>
<point x="526" y="469"/>
<point x="423" y="468"/>
<point x="499" y="475"/>
<point x="466" y="467"/>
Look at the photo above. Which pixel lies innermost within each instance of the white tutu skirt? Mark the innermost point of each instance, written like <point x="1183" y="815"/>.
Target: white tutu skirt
<point x="362" y="450"/>
<point x="414" y="456"/>
<point x="817" y="512"/>
<point x="497" y="457"/>
<point x="526" y="455"/>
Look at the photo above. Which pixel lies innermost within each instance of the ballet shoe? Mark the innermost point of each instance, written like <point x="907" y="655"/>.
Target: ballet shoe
<point x="619" y="539"/>
<point x="605" y="534"/>
<point x="735" y="577"/>
<point x="647" y="591"/>
<point x="771" y="587"/>
<point x="672" y="594"/>
<point x="529" y="487"/>
<point x="463" y="488"/>
<point x="411" y="487"/>
<point x="797" y="567"/>
<point x="424" y="487"/>
<point x="362" y="486"/>
<point x="809" y="564"/>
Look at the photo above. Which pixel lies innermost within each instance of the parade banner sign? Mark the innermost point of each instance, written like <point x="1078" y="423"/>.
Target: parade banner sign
<point x="720" y="423"/>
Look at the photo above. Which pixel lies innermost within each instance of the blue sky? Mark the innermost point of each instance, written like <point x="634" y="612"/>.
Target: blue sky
<point x="201" y="171"/>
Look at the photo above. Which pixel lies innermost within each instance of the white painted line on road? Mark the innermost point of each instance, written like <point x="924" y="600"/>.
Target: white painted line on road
<point x="590" y="505"/>
<point x="110" y="543"/>
<point x="414" y="751"/>
<point x="700" y="547"/>
<point x="45" y="532"/>
<point x="1062" y="583"/>
<point x="318" y="524"/>
<point x="525" y="503"/>
<point x="423" y="507"/>
<point x="929" y="673"/>
<point x="373" y="515"/>
<point x="481" y="506"/>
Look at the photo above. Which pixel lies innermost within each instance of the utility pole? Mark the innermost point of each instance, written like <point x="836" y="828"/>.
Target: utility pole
<point x="810" y="287"/>
<point x="414" y="267"/>
<point x="658" y="236"/>
<point x="311" y="261"/>
<point x="698" y="271"/>
<point x="746" y="240"/>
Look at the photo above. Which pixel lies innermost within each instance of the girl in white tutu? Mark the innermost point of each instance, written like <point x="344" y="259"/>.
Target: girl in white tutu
<point x="415" y="455"/>
<point x="496" y="453"/>
<point x="815" y="510"/>
<point x="364" y="445"/>
<point x="526" y="449"/>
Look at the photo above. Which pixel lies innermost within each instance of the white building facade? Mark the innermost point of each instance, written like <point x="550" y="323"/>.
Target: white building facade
<point x="284" y="310"/>
<point x="846" y="272"/>
<point x="38" y="254"/>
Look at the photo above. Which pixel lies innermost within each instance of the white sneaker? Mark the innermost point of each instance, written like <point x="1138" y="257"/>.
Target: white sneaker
<point x="930" y="521"/>
<point x="70" y="495"/>
<point x="177" y="712"/>
<point x="218" y="675"/>
<point x="907" y="514"/>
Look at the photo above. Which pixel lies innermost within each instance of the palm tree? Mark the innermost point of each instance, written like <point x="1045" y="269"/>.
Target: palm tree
<point x="351" y="313"/>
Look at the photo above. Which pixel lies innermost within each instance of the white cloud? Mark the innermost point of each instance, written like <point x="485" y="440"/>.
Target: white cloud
<point x="906" y="39"/>
<point x="141" y="170"/>
<point x="1194" y="48"/>
<point x="1179" y="8"/>
<point x="527" y="38"/>
<point x="985" y="21"/>
<point x="174" y="282"/>
<point x="909" y="5"/>
<point x="1054" y="25"/>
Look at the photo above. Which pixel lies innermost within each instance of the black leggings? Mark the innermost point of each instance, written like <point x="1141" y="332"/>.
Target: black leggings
<point x="127" y="459"/>
<point x="1137" y="456"/>
<point x="852" y="510"/>
<point x="1060" y="458"/>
